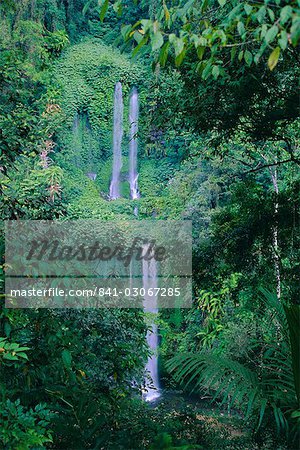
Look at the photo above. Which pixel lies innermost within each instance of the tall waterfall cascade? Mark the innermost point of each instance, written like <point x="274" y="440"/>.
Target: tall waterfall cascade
<point x="133" y="144"/>
<point x="152" y="388"/>
<point x="114" y="191"/>
<point x="150" y="278"/>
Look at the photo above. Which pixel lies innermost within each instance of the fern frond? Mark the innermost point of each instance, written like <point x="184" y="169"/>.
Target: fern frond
<point x="269" y="383"/>
<point x="229" y="379"/>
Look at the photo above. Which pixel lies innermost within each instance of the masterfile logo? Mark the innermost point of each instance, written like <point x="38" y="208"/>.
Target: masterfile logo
<point x="91" y="263"/>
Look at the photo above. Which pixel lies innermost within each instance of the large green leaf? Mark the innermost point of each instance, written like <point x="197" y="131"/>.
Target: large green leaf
<point x="67" y="358"/>
<point x="103" y="10"/>
<point x="285" y="14"/>
<point x="157" y="41"/>
<point x="271" y="34"/>
<point x="252" y="389"/>
<point x="273" y="58"/>
<point x="293" y="318"/>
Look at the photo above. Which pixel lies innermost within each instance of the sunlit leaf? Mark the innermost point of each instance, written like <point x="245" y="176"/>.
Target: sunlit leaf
<point x="163" y="55"/>
<point x="241" y="28"/>
<point x="206" y="71"/>
<point x="271" y="14"/>
<point x="295" y="32"/>
<point x="215" y="72"/>
<point x="118" y="7"/>
<point x="271" y="34"/>
<point x="200" y="52"/>
<point x="103" y="10"/>
<point x="179" y="58"/>
<point x="248" y="9"/>
<point x="139" y="46"/>
<point x="137" y="36"/>
<point x="283" y="41"/>
<point x="157" y="41"/>
<point x="248" y="57"/>
<point x="167" y="13"/>
<point x="204" y="5"/>
<point x="233" y="53"/>
<point x="22" y="355"/>
<point x="273" y="58"/>
<point x="285" y="14"/>
<point x="67" y="358"/>
<point x="86" y="7"/>
<point x="125" y="31"/>
<point x="261" y="13"/>
<point x="146" y="24"/>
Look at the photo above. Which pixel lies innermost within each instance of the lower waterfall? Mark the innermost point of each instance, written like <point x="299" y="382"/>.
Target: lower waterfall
<point x="150" y="280"/>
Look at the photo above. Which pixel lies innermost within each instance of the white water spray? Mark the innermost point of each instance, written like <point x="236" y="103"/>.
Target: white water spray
<point x="150" y="305"/>
<point x="133" y="143"/>
<point x="114" y="191"/>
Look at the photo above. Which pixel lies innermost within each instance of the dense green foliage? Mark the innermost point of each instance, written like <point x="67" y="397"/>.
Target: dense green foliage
<point x="251" y="380"/>
<point x="94" y="70"/>
<point x="218" y="32"/>
<point x="218" y="145"/>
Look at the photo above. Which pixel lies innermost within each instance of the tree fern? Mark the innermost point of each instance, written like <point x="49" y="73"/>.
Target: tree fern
<point x="270" y="382"/>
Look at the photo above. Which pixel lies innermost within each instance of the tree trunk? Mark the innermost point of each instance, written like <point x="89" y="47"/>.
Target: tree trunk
<point x="275" y="233"/>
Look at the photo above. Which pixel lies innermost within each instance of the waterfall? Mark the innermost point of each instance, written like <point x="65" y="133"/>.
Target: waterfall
<point x="151" y="391"/>
<point x="114" y="191"/>
<point x="92" y="176"/>
<point x="150" y="305"/>
<point x="133" y="143"/>
<point x="76" y="140"/>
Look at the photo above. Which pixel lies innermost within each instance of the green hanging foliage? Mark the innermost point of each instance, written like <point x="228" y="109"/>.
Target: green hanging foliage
<point x="87" y="74"/>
